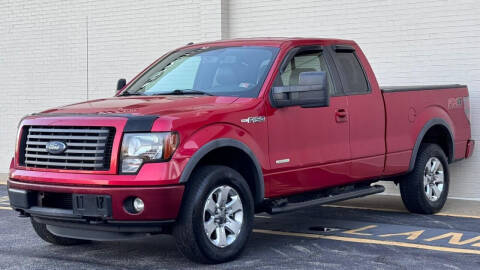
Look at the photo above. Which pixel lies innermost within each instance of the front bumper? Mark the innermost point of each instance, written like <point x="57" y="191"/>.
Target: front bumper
<point x="59" y="209"/>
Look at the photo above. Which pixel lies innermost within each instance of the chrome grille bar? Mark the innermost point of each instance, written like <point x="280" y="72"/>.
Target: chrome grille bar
<point x="63" y="164"/>
<point x="43" y="150"/>
<point x="66" y="137"/>
<point x="63" y="157"/>
<point x="68" y="130"/>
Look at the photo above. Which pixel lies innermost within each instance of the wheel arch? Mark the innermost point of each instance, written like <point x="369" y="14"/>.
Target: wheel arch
<point x="212" y="152"/>
<point x="437" y="131"/>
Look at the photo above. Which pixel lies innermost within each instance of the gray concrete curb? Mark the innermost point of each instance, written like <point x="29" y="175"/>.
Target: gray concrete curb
<point x="392" y="203"/>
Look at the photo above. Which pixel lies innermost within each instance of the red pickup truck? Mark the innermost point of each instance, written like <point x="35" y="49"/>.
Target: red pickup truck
<point x="211" y="133"/>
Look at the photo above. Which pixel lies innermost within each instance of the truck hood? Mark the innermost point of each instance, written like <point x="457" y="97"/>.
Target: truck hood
<point x="157" y="105"/>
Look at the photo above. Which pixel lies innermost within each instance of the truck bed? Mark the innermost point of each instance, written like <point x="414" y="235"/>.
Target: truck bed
<point x="410" y="108"/>
<point x="389" y="89"/>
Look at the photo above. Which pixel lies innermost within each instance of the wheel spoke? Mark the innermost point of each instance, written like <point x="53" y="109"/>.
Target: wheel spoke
<point x="438" y="177"/>
<point x="436" y="191"/>
<point x="425" y="181"/>
<point x="233" y="225"/>
<point x="428" y="192"/>
<point x="235" y="205"/>
<point x="210" y="206"/>
<point x="221" y="236"/>
<point x="438" y="180"/>
<point x="428" y="167"/>
<point x="223" y="196"/>
<point x="435" y="164"/>
<point x="210" y="227"/>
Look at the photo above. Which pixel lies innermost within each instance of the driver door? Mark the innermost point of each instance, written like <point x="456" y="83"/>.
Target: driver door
<point x="309" y="146"/>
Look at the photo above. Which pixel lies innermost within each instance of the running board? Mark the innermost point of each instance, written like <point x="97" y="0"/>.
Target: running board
<point x="356" y="193"/>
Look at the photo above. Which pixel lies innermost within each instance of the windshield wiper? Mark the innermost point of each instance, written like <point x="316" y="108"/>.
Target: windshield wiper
<point x="131" y="94"/>
<point x="173" y="92"/>
<point x="186" y="92"/>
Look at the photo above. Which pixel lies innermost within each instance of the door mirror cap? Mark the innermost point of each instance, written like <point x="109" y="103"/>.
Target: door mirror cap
<point x="121" y="84"/>
<point x="311" y="91"/>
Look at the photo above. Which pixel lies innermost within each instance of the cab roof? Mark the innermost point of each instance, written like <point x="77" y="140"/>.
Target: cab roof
<point x="270" y="41"/>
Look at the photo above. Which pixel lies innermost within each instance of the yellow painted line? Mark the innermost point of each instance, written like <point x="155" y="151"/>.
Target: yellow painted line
<point x="456" y="215"/>
<point x="5" y="208"/>
<point x="398" y="211"/>
<point x="3" y="182"/>
<point x="371" y="241"/>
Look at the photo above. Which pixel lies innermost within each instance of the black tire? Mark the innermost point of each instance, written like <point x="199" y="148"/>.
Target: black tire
<point x="189" y="233"/>
<point x="412" y="186"/>
<point x="46" y="235"/>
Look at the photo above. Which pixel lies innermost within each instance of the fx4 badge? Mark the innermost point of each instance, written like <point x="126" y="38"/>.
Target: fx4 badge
<point x="253" y="119"/>
<point x="455" y="103"/>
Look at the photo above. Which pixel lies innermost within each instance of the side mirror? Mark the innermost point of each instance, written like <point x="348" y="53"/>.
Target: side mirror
<point x="120" y="84"/>
<point x="311" y="91"/>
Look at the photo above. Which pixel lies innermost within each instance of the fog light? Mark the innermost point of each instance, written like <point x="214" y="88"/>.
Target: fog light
<point x="133" y="205"/>
<point x="138" y="205"/>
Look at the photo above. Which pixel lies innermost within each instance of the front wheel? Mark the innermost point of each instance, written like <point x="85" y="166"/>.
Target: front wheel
<point x="425" y="189"/>
<point x="216" y="218"/>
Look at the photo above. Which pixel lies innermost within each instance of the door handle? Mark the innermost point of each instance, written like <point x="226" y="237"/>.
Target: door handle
<point x="341" y="115"/>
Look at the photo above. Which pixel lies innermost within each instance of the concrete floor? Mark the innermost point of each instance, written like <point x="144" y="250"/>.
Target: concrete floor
<point x="360" y="234"/>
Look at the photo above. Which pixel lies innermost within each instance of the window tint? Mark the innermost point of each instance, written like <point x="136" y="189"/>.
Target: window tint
<point x="351" y="73"/>
<point x="305" y="61"/>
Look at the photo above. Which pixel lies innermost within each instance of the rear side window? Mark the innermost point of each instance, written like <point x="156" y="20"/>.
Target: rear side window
<point x="351" y="73"/>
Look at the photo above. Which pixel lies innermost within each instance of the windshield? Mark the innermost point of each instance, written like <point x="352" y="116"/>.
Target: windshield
<point x="219" y="71"/>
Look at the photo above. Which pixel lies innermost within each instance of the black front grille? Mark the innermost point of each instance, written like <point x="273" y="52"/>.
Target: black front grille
<point x="55" y="200"/>
<point x="88" y="148"/>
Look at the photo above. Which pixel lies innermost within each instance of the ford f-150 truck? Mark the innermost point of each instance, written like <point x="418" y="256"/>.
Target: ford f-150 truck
<point x="212" y="133"/>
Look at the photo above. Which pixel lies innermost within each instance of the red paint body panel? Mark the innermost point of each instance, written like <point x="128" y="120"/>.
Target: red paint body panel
<point x="377" y="139"/>
<point x="397" y="163"/>
<point x="470" y="148"/>
<point x="402" y="132"/>
<point x="367" y="127"/>
<point x="151" y="174"/>
<point x="287" y="182"/>
<point x="304" y="149"/>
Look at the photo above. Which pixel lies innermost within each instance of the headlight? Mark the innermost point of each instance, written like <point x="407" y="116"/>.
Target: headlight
<point x="138" y="148"/>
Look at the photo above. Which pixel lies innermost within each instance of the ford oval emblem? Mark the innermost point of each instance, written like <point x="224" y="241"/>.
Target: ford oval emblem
<point x="56" y="147"/>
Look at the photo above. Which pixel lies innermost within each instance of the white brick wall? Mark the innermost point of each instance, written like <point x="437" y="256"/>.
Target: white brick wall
<point x="43" y="49"/>
<point x="407" y="42"/>
<point x="43" y="52"/>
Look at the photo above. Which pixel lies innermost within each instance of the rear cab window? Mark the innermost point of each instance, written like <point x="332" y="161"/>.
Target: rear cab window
<point x="351" y="73"/>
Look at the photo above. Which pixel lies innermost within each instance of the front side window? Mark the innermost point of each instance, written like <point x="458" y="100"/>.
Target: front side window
<point x="304" y="61"/>
<point x="219" y="71"/>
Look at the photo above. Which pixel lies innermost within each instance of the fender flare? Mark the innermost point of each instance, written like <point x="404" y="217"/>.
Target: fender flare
<point x="226" y="142"/>
<point x="421" y="135"/>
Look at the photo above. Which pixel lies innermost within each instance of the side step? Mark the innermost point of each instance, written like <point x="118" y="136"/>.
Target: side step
<point x="286" y="206"/>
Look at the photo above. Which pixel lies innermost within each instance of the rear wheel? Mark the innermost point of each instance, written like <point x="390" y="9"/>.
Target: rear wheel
<point x="216" y="217"/>
<point x="46" y="235"/>
<point x="425" y="189"/>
